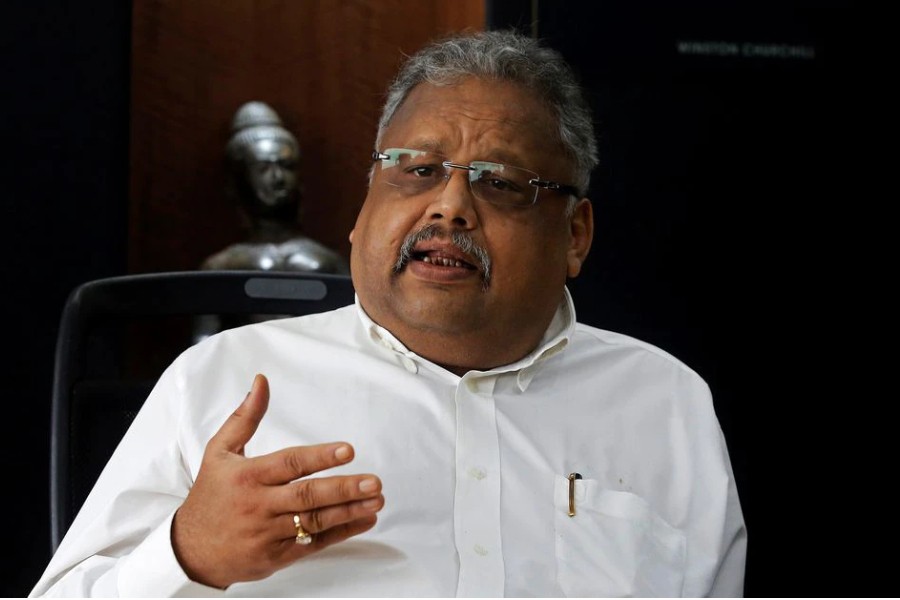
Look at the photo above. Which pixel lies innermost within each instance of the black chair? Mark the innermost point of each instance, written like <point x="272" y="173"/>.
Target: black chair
<point x="106" y="364"/>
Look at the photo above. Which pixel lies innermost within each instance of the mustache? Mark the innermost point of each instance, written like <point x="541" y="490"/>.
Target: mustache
<point x="462" y="240"/>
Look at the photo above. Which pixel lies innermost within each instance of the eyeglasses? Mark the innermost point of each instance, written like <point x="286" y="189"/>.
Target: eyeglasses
<point x="416" y="172"/>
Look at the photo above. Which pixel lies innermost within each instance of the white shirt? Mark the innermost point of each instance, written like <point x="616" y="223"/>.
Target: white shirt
<point x="474" y="468"/>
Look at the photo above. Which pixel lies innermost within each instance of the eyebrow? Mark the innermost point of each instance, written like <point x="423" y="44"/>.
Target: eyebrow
<point x="428" y="145"/>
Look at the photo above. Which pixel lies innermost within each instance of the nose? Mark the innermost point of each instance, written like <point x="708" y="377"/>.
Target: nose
<point x="454" y="204"/>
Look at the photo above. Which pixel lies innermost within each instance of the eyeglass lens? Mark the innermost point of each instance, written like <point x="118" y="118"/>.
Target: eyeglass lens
<point x="417" y="172"/>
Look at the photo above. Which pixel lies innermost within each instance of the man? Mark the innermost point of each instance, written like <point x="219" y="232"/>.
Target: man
<point x="497" y="446"/>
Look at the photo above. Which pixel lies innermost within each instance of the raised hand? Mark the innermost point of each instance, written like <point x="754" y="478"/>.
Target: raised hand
<point x="237" y="523"/>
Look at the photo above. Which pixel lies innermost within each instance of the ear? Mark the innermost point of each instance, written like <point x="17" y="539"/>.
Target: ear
<point x="581" y="227"/>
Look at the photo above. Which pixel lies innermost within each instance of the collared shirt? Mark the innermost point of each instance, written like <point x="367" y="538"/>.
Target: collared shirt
<point x="475" y="469"/>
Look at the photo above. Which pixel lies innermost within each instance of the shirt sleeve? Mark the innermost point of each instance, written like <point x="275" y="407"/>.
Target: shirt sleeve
<point x="152" y="570"/>
<point x="717" y="544"/>
<point x="119" y="544"/>
<point x="729" y="579"/>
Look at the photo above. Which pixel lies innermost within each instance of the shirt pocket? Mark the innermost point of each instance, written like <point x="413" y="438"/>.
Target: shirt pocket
<point x="615" y="545"/>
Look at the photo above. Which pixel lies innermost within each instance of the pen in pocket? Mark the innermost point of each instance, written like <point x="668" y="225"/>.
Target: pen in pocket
<point x="572" y="478"/>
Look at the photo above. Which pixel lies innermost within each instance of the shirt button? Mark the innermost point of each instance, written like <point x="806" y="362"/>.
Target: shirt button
<point x="477" y="473"/>
<point x="480" y="550"/>
<point x="472" y="384"/>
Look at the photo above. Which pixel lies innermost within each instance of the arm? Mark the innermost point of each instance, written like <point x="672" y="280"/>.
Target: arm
<point x="146" y="471"/>
<point x="719" y="534"/>
<point x="124" y="541"/>
<point x="729" y="579"/>
<point x="237" y="522"/>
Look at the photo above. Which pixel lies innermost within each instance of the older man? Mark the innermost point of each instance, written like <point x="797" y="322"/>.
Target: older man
<point x="497" y="446"/>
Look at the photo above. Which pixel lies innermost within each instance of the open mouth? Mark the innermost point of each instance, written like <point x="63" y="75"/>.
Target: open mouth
<point x="441" y="259"/>
<point x="443" y="256"/>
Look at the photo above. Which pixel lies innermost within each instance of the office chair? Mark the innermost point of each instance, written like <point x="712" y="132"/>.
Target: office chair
<point x="104" y="369"/>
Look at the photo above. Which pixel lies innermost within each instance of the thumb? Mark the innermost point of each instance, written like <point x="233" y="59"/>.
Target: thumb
<point x="243" y="422"/>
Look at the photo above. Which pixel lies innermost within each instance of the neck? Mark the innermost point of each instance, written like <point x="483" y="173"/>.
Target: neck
<point x="481" y="349"/>
<point x="271" y="230"/>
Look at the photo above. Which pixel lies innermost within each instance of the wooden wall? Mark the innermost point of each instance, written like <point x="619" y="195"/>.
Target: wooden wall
<point x="322" y="65"/>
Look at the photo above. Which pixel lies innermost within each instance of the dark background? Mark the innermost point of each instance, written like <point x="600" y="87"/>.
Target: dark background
<point x="732" y="231"/>
<point x="722" y="237"/>
<point x="64" y="120"/>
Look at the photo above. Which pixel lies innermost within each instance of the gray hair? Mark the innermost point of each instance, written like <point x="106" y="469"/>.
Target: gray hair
<point x="506" y="56"/>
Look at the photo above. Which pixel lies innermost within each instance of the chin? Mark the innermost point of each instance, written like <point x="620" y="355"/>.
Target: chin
<point x="441" y="315"/>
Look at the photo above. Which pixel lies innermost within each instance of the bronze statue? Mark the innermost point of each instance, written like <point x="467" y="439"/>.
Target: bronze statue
<point x="263" y="157"/>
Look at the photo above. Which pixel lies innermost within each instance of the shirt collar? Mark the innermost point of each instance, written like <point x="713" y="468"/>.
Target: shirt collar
<point x="555" y="339"/>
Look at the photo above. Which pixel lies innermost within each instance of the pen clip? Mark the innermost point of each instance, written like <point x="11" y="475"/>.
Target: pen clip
<point x="572" y="478"/>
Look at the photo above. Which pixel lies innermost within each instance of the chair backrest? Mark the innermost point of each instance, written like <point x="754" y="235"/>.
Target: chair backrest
<point x="102" y="377"/>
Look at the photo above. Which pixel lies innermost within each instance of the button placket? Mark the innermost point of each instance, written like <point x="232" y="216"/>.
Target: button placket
<point x="477" y="497"/>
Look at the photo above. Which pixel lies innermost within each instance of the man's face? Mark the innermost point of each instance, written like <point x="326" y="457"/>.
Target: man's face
<point x="442" y="290"/>
<point x="271" y="172"/>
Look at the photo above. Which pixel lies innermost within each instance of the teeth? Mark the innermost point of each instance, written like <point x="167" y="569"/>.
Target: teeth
<point x="447" y="262"/>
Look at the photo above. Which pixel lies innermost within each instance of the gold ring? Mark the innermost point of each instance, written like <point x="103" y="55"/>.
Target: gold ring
<point x="302" y="538"/>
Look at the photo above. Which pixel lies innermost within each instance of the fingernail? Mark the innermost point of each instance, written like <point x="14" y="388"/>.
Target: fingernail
<point x="368" y="485"/>
<point x="371" y="503"/>
<point x="342" y="453"/>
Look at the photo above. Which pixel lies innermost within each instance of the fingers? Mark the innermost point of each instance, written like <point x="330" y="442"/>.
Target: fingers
<point x="243" y="422"/>
<point x="324" y="492"/>
<point x="236" y="523"/>
<point x="328" y="537"/>
<point x="323" y="519"/>
<point x="289" y="464"/>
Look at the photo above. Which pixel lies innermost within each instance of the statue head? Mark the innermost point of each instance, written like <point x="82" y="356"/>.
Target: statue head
<point x="263" y="158"/>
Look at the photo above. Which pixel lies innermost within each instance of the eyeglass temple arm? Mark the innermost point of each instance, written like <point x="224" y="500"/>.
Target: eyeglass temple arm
<point x="557" y="187"/>
<point x="376" y="155"/>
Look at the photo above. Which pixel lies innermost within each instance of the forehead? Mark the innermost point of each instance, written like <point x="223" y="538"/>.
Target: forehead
<point x="476" y="119"/>
<point x="271" y="149"/>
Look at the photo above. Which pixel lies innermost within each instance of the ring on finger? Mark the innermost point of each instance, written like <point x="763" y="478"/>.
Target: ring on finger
<point x="303" y="538"/>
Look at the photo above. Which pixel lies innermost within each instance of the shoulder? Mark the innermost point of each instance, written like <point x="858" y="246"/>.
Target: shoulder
<point x="305" y="254"/>
<point x="280" y="336"/>
<point x="614" y="341"/>
<point x="302" y="244"/>
<point x="208" y="379"/>
<point x="635" y="357"/>
<point x="242" y="256"/>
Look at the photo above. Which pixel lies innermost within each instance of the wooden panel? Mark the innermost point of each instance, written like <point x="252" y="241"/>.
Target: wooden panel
<point x="322" y="65"/>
